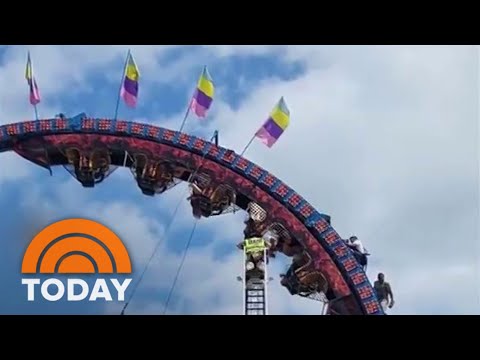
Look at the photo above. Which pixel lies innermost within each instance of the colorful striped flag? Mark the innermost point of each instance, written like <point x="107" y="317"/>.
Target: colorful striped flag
<point x="203" y="96"/>
<point x="275" y="125"/>
<point x="32" y="83"/>
<point x="129" y="91"/>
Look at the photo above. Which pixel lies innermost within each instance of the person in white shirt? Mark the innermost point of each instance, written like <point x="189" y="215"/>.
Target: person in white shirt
<point x="356" y="244"/>
<point x="358" y="250"/>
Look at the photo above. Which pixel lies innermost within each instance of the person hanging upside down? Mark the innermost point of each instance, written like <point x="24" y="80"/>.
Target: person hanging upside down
<point x="200" y="201"/>
<point x="384" y="292"/>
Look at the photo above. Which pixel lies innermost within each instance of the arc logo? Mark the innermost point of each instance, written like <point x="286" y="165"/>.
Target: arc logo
<point x="76" y="247"/>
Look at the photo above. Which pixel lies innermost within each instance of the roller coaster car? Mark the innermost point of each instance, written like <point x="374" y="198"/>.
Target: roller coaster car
<point x="89" y="168"/>
<point x="152" y="177"/>
<point x="302" y="279"/>
<point x="211" y="201"/>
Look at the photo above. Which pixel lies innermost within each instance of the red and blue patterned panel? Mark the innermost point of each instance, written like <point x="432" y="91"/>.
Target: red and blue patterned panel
<point x="152" y="132"/>
<point x="13" y="130"/>
<point x="89" y="124"/>
<point x="241" y="164"/>
<point x="61" y="124"/>
<point x="30" y="127"/>
<point x="105" y="125"/>
<point x="200" y="145"/>
<point x="121" y="127"/>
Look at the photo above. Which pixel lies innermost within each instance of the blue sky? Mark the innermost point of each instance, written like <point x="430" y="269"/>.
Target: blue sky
<point x="382" y="138"/>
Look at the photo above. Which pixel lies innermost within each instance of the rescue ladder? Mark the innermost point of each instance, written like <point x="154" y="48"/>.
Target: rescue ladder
<point x="254" y="288"/>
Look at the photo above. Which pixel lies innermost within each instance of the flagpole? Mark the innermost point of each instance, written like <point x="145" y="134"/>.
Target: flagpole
<point x="248" y="145"/>
<point x="189" y="108"/>
<point x="36" y="111"/>
<point x="121" y="84"/>
<point x="186" y="115"/>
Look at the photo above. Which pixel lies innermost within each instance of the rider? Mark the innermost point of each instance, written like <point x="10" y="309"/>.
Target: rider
<point x="290" y="274"/>
<point x="384" y="292"/>
<point x="153" y="177"/>
<point x="83" y="170"/>
<point x="200" y="202"/>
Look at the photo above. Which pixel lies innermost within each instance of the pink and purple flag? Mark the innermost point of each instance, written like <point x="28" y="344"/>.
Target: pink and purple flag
<point x="275" y="125"/>
<point x="129" y="91"/>
<point x="32" y="83"/>
<point x="203" y="97"/>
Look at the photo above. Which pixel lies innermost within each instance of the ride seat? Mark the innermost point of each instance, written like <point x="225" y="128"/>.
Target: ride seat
<point x="305" y="266"/>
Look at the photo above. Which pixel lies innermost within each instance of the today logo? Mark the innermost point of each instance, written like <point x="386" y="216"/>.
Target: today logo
<point x="76" y="246"/>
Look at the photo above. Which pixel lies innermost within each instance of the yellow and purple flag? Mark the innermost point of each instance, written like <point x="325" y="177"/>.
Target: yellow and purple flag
<point x="203" y="96"/>
<point x="129" y="91"/>
<point x="275" y="125"/>
<point x="32" y="83"/>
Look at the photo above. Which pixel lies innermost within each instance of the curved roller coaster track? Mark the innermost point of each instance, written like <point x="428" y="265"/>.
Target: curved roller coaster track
<point x="48" y="142"/>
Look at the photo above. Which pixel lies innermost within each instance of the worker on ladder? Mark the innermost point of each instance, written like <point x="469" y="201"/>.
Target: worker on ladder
<point x="255" y="251"/>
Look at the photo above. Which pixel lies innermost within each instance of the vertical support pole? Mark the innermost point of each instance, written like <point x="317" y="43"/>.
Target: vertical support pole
<point x="265" y="283"/>
<point x="244" y="282"/>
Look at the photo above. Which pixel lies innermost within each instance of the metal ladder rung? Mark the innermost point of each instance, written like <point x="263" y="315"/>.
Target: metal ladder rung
<point x="257" y="306"/>
<point x="256" y="299"/>
<point x="255" y="312"/>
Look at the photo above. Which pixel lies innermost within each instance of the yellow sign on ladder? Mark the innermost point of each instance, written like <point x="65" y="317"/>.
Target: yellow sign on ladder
<point x="255" y="244"/>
